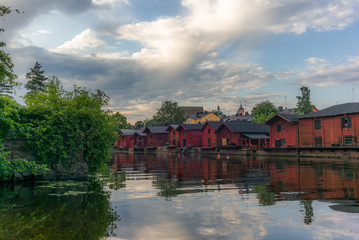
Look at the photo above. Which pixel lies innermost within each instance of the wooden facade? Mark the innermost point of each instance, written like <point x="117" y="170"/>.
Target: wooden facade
<point x="156" y="136"/>
<point x="130" y="138"/>
<point x="283" y="130"/>
<point x="202" y="118"/>
<point x="334" y="126"/>
<point x="246" y="135"/>
<point x="190" y="135"/>
<point x="173" y="135"/>
<point x="209" y="136"/>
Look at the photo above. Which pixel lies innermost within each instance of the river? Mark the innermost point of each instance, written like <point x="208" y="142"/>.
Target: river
<point x="190" y="197"/>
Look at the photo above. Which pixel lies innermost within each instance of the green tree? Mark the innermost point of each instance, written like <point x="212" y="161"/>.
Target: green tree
<point x="7" y="75"/>
<point x="169" y="112"/>
<point x="304" y="106"/>
<point x="121" y="121"/>
<point x="149" y="122"/>
<point x="139" y="124"/>
<point x="262" y="111"/>
<point x="37" y="79"/>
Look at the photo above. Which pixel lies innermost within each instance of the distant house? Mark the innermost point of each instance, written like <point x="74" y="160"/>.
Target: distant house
<point x="202" y="117"/>
<point x="130" y="138"/>
<point x="190" y="135"/>
<point x="337" y="125"/>
<point x="209" y="136"/>
<point x="283" y="130"/>
<point x="156" y="136"/>
<point x="190" y="110"/>
<point x="173" y="135"/>
<point x="245" y="135"/>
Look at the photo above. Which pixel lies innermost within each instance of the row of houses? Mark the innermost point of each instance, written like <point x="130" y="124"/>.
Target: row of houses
<point x="208" y="135"/>
<point x="331" y="127"/>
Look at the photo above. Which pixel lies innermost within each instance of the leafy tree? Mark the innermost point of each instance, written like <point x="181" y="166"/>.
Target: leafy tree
<point x="139" y="125"/>
<point x="149" y="122"/>
<point x="169" y="112"/>
<point x="121" y="121"/>
<point x="37" y="80"/>
<point x="7" y="75"/>
<point x="304" y="106"/>
<point x="262" y="111"/>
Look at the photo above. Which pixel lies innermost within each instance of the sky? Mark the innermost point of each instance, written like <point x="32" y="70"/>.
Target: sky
<point x="196" y="52"/>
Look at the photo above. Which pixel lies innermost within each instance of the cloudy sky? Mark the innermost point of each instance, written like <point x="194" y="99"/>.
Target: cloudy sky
<point x="196" y="52"/>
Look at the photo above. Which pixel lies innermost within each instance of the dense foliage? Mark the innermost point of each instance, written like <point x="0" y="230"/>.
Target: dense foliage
<point x="262" y="111"/>
<point x="169" y="112"/>
<point x="120" y="121"/>
<point x="37" y="79"/>
<point x="304" y="105"/>
<point x="69" y="125"/>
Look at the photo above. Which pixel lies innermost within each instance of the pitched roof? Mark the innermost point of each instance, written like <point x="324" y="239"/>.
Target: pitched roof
<point x="130" y="132"/>
<point x="214" y="124"/>
<point x="292" y="118"/>
<point x="191" y="126"/>
<point x="240" y="127"/>
<point x="174" y="126"/>
<point x="335" y="110"/>
<point x="199" y="115"/>
<point x="156" y="129"/>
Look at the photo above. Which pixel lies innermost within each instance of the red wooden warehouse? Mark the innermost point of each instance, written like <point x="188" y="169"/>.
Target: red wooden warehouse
<point x="190" y="135"/>
<point x="337" y="125"/>
<point x="283" y="130"/>
<point x="156" y="136"/>
<point x="246" y="135"/>
<point x="130" y="138"/>
<point x="209" y="136"/>
<point x="173" y="135"/>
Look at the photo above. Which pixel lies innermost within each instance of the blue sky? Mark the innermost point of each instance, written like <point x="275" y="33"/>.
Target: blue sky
<point x="198" y="53"/>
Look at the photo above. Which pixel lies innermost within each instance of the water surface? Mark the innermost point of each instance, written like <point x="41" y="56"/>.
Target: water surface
<point x="190" y="197"/>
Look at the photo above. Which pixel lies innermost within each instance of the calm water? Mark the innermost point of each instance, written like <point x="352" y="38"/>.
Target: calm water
<point x="193" y="197"/>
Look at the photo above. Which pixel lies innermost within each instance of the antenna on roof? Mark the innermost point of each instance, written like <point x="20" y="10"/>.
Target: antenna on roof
<point x="285" y="101"/>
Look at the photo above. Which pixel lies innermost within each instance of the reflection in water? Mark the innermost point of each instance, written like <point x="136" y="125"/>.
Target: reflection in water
<point x="193" y="197"/>
<point x="56" y="210"/>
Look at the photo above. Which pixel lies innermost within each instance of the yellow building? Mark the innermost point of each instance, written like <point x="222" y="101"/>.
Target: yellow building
<point x="202" y="117"/>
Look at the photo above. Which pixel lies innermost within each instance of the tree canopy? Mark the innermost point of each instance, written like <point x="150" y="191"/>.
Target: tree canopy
<point x="7" y="75"/>
<point x="121" y="121"/>
<point x="169" y="112"/>
<point x="262" y="111"/>
<point x="304" y="105"/>
<point x="37" y="79"/>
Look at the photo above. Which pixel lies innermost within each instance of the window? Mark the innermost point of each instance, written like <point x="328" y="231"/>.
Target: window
<point x="280" y="142"/>
<point x="348" y="140"/>
<point x="174" y="142"/>
<point x="227" y="131"/>
<point x="346" y="122"/>
<point x="317" y="124"/>
<point x="209" y="130"/>
<point x="280" y="128"/>
<point x="184" y="133"/>
<point x="174" y="134"/>
<point x="318" y="141"/>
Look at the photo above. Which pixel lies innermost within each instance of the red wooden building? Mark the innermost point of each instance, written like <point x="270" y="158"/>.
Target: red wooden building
<point x="156" y="136"/>
<point x="173" y="135"/>
<point x="190" y="135"/>
<point x="283" y="130"/>
<point x="247" y="135"/>
<point x="130" y="138"/>
<point x="209" y="136"/>
<point x="337" y="125"/>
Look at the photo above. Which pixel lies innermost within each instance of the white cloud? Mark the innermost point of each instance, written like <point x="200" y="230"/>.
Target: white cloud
<point x="109" y="2"/>
<point x="322" y="73"/>
<point x="82" y="43"/>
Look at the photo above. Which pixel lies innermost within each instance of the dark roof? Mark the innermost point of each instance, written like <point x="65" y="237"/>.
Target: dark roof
<point x="240" y="127"/>
<point x="292" y="118"/>
<point x="335" y="110"/>
<point x="191" y="126"/>
<point x="199" y="115"/>
<point x="156" y="129"/>
<point x="214" y="124"/>
<point x="174" y="126"/>
<point x="130" y="132"/>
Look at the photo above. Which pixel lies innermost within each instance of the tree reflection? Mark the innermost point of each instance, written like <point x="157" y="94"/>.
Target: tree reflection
<point x="77" y="210"/>
<point x="167" y="187"/>
<point x="265" y="198"/>
<point x="308" y="211"/>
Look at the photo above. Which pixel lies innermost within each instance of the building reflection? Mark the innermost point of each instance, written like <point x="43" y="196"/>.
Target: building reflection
<point x="290" y="179"/>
